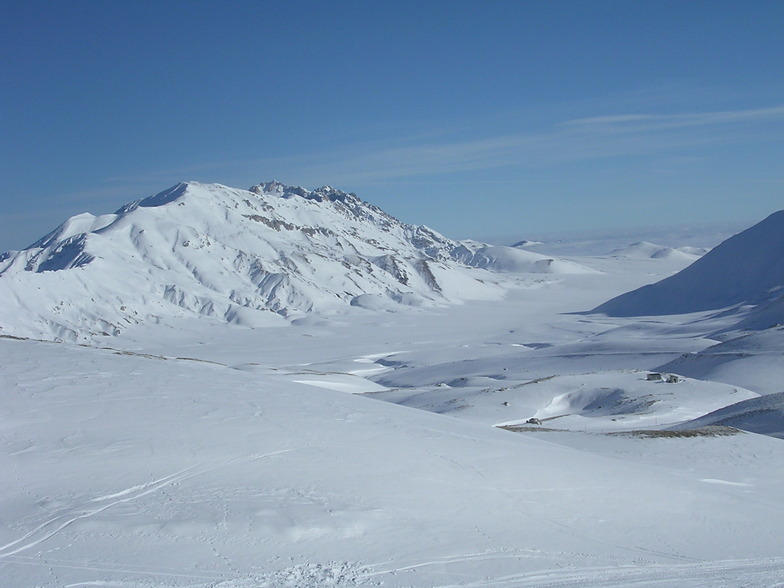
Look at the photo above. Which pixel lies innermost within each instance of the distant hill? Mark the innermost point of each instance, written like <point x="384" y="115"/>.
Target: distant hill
<point x="647" y="250"/>
<point x="747" y="268"/>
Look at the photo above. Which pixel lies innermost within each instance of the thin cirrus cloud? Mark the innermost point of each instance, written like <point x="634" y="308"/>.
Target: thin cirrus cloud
<point x="562" y="142"/>
<point x="666" y="121"/>
<point x="571" y="140"/>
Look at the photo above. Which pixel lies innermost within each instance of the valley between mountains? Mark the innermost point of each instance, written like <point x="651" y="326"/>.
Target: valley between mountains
<point x="225" y="388"/>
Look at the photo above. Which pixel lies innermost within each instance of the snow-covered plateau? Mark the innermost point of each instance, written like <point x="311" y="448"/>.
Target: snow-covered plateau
<point x="279" y="387"/>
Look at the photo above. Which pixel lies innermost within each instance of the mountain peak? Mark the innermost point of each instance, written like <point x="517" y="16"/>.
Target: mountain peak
<point x="158" y="199"/>
<point x="274" y="187"/>
<point x="239" y="256"/>
<point x="323" y="194"/>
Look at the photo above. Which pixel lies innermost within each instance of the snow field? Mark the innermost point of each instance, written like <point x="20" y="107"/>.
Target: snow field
<point x="225" y="469"/>
<point x="223" y="424"/>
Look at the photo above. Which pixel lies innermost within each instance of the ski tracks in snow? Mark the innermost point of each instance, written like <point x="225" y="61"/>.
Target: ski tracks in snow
<point x="95" y="506"/>
<point x="749" y="573"/>
<point x="50" y="528"/>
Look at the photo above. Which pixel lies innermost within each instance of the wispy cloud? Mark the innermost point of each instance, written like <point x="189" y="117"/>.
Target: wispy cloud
<point x="693" y="119"/>
<point x="676" y="141"/>
<point x="580" y="139"/>
<point x="680" y="135"/>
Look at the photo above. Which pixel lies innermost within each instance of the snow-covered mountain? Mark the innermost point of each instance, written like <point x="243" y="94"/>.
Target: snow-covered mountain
<point x="747" y="268"/>
<point x="240" y="256"/>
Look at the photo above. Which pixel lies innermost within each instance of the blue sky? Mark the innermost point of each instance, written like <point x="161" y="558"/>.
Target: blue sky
<point x="476" y="118"/>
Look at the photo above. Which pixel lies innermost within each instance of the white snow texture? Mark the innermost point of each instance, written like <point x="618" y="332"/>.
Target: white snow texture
<point x="281" y="387"/>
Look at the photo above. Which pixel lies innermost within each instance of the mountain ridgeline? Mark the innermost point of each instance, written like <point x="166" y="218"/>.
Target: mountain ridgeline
<point x="247" y="257"/>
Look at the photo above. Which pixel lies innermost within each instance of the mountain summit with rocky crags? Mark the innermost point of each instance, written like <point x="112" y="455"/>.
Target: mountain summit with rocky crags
<point x="240" y="256"/>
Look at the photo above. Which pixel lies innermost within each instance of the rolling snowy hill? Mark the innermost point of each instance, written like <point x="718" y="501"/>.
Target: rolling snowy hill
<point x="745" y="269"/>
<point x="754" y="360"/>
<point x="246" y="257"/>
<point x="647" y="250"/>
<point x="135" y="470"/>
<point x="764" y="415"/>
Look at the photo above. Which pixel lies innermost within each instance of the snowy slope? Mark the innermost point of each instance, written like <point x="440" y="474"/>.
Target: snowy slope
<point x="196" y="453"/>
<point x="764" y="415"/>
<point x="745" y="269"/>
<point x="604" y="401"/>
<point x="139" y="471"/>
<point x="754" y="360"/>
<point x="247" y="257"/>
<point x="764" y="316"/>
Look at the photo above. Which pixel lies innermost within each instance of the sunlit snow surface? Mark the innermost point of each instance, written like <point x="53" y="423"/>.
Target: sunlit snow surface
<point x="246" y="257"/>
<point x="363" y="447"/>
